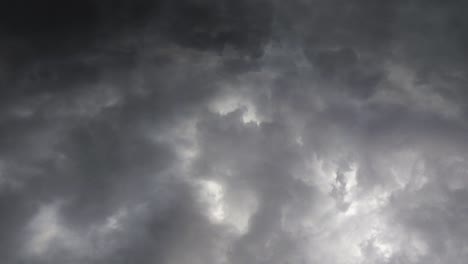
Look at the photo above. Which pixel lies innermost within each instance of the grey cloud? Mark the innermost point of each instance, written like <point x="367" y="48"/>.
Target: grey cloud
<point x="233" y="132"/>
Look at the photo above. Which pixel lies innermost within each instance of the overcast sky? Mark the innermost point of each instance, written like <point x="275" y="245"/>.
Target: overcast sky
<point x="233" y="132"/>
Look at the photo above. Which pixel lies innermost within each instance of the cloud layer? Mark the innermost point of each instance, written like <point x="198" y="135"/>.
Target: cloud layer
<point x="233" y="132"/>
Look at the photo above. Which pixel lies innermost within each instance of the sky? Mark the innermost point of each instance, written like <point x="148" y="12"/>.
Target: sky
<point x="233" y="132"/>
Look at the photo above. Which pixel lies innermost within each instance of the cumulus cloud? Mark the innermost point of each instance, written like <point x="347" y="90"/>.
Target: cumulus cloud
<point x="233" y="132"/>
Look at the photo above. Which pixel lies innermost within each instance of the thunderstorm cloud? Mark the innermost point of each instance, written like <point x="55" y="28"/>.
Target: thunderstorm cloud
<point x="233" y="132"/>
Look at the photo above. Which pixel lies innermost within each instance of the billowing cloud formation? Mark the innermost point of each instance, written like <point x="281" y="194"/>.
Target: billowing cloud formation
<point x="233" y="132"/>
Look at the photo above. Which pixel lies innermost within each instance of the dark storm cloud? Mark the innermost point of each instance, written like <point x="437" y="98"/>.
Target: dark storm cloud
<point x="202" y="131"/>
<point x="48" y="45"/>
